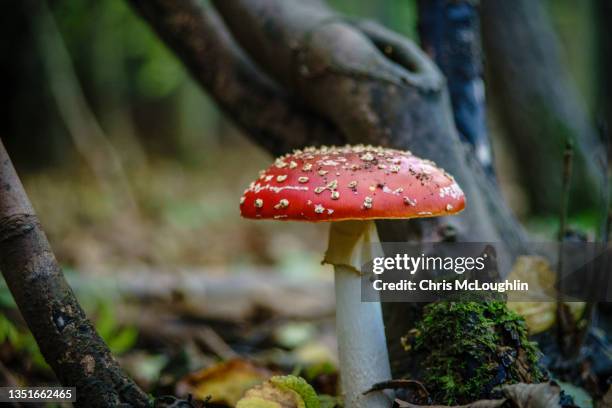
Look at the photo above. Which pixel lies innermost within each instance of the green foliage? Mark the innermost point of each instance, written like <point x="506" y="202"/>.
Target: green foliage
<point x="116" y="29"/>
<point x="547" y="226"/>
<point x="6" y="299"/>
<point x="22" y="341"/>
<point x="119" y="339"/>
<point x="399" y="15"/>
<point x="469" y="348"/>
<point x="329" y="401"/>
<point x="323" y="368"/>
<point x="8" y="331"/>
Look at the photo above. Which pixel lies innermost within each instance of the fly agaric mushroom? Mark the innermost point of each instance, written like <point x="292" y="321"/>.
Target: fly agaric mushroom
<point x="350" y="187"/>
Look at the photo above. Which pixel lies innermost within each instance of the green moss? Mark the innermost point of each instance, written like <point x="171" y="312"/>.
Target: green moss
<point x="469" y="348"/>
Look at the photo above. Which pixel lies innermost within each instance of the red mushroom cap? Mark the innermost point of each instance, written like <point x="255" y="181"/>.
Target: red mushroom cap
<point x="351" y="183"/>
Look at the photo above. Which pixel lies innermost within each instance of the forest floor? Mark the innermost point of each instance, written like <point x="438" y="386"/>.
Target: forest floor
<point x="176" y="282"/>
<point x="180" y="281"/>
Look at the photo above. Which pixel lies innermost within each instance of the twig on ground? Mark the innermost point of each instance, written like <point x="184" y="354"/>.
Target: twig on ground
<point x="566" y="324"/>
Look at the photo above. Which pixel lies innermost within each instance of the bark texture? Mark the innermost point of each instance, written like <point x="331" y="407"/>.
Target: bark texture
<point x="538" y="104"/>
<point x="67" y="339"/>
<point x="450" y="34"/>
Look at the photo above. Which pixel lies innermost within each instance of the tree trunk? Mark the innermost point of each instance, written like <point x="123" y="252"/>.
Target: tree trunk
<point x="538" y="104"/>
<point x="450" y="34"/>
<point x="67" y="339"/>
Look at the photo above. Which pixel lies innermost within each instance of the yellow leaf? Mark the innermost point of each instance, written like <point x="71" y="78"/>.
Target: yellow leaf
<point x="539" y="316"/>
<point x="225" y="382"/>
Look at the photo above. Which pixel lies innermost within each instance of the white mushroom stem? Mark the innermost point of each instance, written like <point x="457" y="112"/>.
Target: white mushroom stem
<point x="362" y="348"/>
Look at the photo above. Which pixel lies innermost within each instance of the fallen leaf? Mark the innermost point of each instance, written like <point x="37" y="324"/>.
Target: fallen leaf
<point x="543" y="395"/>
<point x="281" y="392"/>
<point x="224" y="382"/>
<point x="539" y="316"/>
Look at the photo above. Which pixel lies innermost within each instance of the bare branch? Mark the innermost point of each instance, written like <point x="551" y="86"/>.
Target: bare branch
<point x="67" y="339"/>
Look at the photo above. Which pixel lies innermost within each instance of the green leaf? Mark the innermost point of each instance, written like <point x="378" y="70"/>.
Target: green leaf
<point x="329" y="401"/>
<point x="123" y="340"/>
<point x="105" y="321"/>
<point x="300" y="386"/>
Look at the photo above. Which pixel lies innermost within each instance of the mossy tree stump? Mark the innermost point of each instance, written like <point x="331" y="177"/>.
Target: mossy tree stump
<point x="467" y="349"/>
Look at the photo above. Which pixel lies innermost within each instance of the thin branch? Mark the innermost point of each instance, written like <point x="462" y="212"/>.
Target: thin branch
<point x="566" y="324"/>
<point x="67" y="339"/>
<point x="256" y="104"/>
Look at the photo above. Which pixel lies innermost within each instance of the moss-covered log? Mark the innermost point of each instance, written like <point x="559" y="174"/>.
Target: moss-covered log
<point x="467" y="349"/>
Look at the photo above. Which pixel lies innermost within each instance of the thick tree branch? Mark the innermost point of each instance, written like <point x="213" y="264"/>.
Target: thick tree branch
<point x="67" y="339"/>
<point x="418" y="69"/>
<point x="252" y="100"/>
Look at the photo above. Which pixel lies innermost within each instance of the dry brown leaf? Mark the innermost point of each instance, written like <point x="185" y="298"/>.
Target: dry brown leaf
<point x="543" y="395"/>
<point x="476" y="404"/>
<point x="225" y="382"/>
